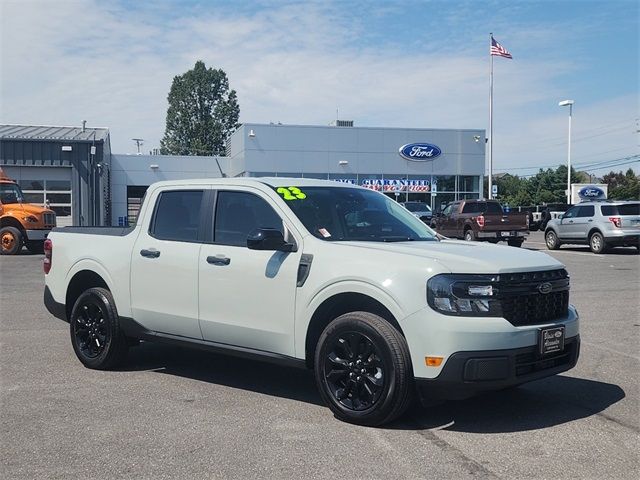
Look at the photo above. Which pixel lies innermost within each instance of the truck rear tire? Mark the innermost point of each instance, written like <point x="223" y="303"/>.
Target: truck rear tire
<point x="363" y="369"/>
<point x="95" y="331"/>
<point x="10" y="241"/>
<point x="469" y="236"/>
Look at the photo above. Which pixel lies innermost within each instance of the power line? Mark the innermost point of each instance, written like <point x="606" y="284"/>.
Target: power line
<point x="593" y="166"/>
<point x="630" y="122"/>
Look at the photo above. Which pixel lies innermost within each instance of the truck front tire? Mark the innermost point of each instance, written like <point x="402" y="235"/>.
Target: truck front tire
<point x="95" y="332"/>
<point x="363" y="369"/>
<point x="10" y="241"/>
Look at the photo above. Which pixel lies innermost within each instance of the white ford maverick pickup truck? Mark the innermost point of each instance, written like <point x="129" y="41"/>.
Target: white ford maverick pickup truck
<point x="316" y="274"/>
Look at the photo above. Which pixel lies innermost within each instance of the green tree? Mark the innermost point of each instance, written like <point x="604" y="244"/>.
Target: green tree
<point x="202" y="113"/>
<point x="623" y="186"/>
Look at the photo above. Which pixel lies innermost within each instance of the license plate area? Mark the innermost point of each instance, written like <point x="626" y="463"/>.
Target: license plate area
<point x="551" y="340"/>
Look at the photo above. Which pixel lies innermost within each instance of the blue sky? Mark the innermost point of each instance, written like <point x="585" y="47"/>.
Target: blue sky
<point x="397" y="64"/>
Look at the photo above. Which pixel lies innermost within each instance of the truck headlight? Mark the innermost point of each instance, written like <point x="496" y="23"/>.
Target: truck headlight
<point x="30" y="219"/>
<point x="464" y="295"/>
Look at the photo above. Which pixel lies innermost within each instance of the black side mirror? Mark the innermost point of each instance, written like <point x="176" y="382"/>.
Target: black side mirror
<point x="268" y="239"/>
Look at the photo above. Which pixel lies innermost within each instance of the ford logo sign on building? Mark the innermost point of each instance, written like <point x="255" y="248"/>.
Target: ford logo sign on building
<point x="420" y="152"/>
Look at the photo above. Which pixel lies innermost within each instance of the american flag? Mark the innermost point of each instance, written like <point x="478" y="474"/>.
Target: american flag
<point x="499" y="50"/>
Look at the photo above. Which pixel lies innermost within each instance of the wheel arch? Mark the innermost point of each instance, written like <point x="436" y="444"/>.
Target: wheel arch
<point x="339" y="304"/>
<point x="82" y="280"/>
<point x="9" y="221"/>
<point x="594" y="230"/>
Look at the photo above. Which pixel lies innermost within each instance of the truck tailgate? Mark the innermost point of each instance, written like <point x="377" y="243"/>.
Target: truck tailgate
<point x="506" y="222"/>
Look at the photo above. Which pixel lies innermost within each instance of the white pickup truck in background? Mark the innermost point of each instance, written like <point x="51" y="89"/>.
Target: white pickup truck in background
<point x="316" y="274"/>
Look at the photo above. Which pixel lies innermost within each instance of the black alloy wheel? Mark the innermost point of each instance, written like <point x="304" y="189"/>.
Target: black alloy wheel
<point x="363" y="369"/>
<point x="95" y="333"/>
<point x="353" y="370"/>
<point x="90" y="330"/>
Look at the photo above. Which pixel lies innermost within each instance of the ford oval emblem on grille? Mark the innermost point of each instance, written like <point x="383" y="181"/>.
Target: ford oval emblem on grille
<point x="545" y="288"/>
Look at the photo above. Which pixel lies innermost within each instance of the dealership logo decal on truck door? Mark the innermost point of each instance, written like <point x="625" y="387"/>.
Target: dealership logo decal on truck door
<point x="420" y="152"/>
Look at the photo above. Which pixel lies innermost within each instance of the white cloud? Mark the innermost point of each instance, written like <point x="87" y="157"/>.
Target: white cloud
<point x="63" y="62"/>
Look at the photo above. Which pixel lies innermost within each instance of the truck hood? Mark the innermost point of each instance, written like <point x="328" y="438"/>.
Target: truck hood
<point x="31" y="209"/>
<point x="469" y="257"/>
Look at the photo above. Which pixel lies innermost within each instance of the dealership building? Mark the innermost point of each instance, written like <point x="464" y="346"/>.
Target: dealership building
<point x="434" y="166"/>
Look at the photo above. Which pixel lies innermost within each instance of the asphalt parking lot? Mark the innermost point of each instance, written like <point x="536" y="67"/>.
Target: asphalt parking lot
<point x="177" y="413"/>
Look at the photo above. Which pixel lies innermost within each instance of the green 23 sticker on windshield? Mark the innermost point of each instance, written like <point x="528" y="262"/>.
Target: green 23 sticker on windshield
<point x="291" y="193"/>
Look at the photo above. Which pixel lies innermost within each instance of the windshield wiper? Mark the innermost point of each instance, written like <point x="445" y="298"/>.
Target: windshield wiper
<point x="397" y="239"/>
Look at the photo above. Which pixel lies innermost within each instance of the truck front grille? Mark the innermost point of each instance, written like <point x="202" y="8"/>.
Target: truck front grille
<point x="49" y="220"/>
<point x="534" y="297"/>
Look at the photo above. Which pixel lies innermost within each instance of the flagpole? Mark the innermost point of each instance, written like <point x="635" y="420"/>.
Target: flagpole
<point x="490" y="192"/>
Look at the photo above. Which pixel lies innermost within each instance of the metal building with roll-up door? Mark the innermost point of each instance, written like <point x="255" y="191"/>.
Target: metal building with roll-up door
<point x="64" y="168"/>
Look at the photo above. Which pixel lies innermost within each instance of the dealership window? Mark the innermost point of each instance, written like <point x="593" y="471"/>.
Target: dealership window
<point x="469" y="183"/>
<point x="468" y="196"/>
<point x="445" y="183"/>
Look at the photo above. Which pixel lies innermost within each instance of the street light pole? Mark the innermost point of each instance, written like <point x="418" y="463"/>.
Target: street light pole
<point x="568" y="103"/>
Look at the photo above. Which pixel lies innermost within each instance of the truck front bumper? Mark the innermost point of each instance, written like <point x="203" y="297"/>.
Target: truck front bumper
<point x="37" y="234"/>
<point x="468" y="373"/>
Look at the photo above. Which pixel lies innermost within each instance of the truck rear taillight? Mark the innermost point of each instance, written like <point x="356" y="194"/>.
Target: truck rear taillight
<point x="48" y="255"/>
<point x="480" y="221"/>
<point x="617" y="221"/>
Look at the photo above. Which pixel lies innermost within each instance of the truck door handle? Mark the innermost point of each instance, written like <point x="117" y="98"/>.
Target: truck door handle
<point x="218" y="260"/>
<point x="570" y="221"/>
<point x="590" y="220"/>
<point x="152" y="253"/>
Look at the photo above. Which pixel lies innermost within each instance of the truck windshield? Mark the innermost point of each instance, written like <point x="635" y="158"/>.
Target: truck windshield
<point x="10" y="193"/>
<point x="353" y="214"/>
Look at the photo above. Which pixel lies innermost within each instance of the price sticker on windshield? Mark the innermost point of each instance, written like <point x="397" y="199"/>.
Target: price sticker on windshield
<point x="291" y="193"/>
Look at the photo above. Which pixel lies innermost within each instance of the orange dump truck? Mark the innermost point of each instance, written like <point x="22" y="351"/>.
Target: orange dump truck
<point x="21" y="223"/>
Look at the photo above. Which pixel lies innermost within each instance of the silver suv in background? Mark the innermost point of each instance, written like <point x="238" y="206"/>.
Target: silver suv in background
<point x="597" y="224"/>
<point x="420" y="210"/>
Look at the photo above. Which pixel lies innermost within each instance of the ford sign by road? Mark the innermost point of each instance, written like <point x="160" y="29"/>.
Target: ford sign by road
<point x="419" y="152"/>
<point x="591" y="192"/>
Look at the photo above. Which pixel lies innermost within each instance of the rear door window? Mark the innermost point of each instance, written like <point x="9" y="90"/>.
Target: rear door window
<point x="177" y="216"/>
